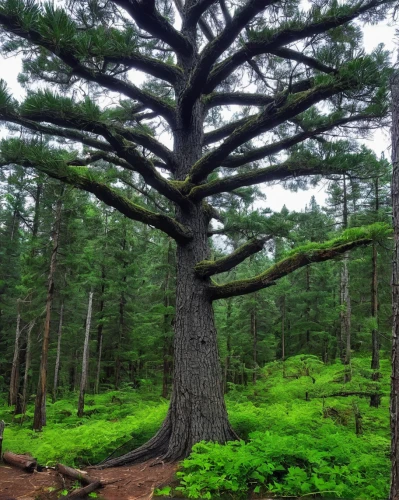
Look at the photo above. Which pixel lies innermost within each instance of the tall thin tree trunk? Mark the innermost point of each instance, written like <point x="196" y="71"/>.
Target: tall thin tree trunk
<point x="227" y="365"/>
<point x="254" y="332"/>
<point x="14" y="383"/>
<point x="85" y="359"/>
<point x="121" y="328"/>
<point x="39" y="419"/>
<point x="58" y="357"/>
<point x="27" y="366"/>
<point x="394" y="407"/>
<point x="345" y="315"/>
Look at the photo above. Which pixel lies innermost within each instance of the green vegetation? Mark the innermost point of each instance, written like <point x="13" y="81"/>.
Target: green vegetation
<point x="298" y="436"/>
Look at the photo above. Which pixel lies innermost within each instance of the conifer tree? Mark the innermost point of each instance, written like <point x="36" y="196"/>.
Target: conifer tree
<point x="295" y="60"/>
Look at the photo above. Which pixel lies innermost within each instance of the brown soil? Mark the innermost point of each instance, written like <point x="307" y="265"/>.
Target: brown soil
<point x="122" y="483"/>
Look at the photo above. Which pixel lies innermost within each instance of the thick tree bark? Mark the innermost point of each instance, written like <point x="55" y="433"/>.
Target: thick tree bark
<point x="85" y="359"/>
<point x="39" y="419"/>
<point x="394" y="408"/>
<point x="167" y="341"/>
<point x="58" y="356"/>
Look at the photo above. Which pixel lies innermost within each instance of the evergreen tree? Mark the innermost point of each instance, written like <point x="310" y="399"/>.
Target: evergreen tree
<point x="192" y="76"/>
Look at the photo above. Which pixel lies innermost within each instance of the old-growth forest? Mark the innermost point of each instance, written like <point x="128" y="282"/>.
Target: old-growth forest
<point x="155" y="311"/>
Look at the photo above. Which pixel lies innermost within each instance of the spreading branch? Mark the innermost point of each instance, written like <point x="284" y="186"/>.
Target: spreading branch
<point x="266" y="120"/>
<point x="284" y="37"/>
<point x="235" y="161"/>
<point x="194" y="14"/>
<point x="239" y="98"/>
<point x="13" y="24"/>
<point x="215" y="49"/>
<point x="149" y="19"/>
<point x="281" y="269"/>
<point x="86" y="181"/>
<point x="208" y="268"/>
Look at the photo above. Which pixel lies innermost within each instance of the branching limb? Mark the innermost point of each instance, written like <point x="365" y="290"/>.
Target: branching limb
<point x="239" y="98"/>
<point x="194" y="14"/>
<point x="13" y="24"/>
<point x="268" y="119"/>
<point x="55" y="167"/>
<point x="276" y="172"/>
<point x="282" y="38"/>
<point x="208" y="268"/>
<point x="205" y="28"/>
<point x="149" y="19"/>
<point x="215" y="49"/>
<point x="235" y="161"/>
<point x="282" y="268"/>
<point x="302" y="58"/>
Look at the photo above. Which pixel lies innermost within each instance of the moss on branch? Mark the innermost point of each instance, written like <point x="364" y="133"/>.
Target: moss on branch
<point x="302" y="256"/>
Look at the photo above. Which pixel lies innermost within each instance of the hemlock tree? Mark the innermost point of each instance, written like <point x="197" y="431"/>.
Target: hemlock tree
<point x="306" y="76"/>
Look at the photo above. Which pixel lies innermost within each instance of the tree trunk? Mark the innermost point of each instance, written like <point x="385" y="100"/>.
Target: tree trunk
<point x="27" y="366"/>
<point x="39" y="419"/>
<point x="12" y="398"/>
<point x="100" y="327"/>
<point x="394" y="408"/>
<point x="197" y="409"/>
<point x="254" y="332"/>
<point x="345" y="316"/>
<point x="167" y="341"/>
<point x="85" y="360"/>
<point x="375" y="348"/>
<point x="58" y="357"/>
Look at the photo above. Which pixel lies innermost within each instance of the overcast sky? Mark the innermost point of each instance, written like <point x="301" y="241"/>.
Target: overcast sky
<point x="276" y="195"/>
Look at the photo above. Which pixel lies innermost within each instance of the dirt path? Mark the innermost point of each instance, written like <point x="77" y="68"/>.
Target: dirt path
<point x="124" y="483"/>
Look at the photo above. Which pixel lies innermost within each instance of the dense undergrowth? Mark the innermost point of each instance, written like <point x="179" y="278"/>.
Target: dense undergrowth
<point x="298" y="434"/>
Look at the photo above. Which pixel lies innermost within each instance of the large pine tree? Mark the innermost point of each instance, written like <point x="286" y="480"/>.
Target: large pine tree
<point x="292" y="75"/>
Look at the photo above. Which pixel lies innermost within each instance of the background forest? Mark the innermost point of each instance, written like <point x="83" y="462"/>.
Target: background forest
<point x="287" y="372"/>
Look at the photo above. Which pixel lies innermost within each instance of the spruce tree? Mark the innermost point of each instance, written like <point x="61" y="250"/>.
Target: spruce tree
<point x="308" y="76"/>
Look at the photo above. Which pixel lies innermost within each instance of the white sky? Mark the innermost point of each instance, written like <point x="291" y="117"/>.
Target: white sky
<point x="276" y="195"/>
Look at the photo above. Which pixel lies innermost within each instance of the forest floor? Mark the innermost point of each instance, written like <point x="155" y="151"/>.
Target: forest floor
<point x="124" y="483"/>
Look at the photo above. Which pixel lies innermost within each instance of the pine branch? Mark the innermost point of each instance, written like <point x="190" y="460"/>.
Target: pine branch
<point x="13" y="24"/>
<point x="281" y="38"/>
<point x="205" y="28"/>
<point x="235" y="161"/>
<point x="208" y="268"/>
<point x="266" y="120"/>
<point x="225" y="130"/>
<point x="194" y="14"/>
<point x="148" y="65"/>
<point x="284" y="267"/>
<point x="239" y="98"/>
<point x="79" y="121"/>
<point x="214" y="50"/>
<point x="302" y="58"/>
<point x="279" y="172"/>
<point x="73" y="135"/>
<point x="149" y="19"/>
<point x="46" y="161"/>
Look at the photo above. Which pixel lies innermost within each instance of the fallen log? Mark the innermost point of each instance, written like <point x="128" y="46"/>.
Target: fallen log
<point x="25" y="462"/>
<point x="79" y="475"/>
<point x="83" y="492"/>
<point x="2" y="426"/>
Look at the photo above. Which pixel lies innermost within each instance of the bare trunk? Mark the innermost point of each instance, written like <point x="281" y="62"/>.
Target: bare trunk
<point x="27" y="366"/>
<point x="39" y="419"/>
<point x="85" y="359"/>
<point x="14" y="383"/>
<point x="254" y="332"/>
<point x="58" y="357"/>
<point x="345" y="318"/>
<point x="375" y="399"/>
<point x="394" y="408"/>
<point x="98" y="371"/>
